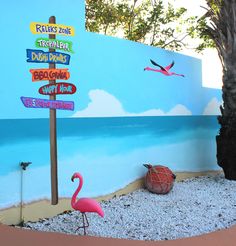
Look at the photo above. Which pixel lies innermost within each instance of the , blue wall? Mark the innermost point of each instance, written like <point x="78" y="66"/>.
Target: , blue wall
<point x="124" y="116"/>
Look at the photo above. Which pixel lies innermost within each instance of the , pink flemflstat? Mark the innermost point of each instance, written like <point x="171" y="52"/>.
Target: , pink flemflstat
<point x="84" y="204"/>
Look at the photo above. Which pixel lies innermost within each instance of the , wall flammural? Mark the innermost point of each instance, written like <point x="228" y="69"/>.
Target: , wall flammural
<point x="119" y="104"/>
<point x="164" y="70"/>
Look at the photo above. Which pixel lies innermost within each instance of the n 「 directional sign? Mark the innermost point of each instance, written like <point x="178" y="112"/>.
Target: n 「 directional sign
<point x="48" y="43"/>
<point x="58" y="88"/>
<point x="52" y="74"/>
<point x="49" y="74"/>
<point x="39" y="56"/>
<point x="48" y="28"/>
<point x="30" y="102"/>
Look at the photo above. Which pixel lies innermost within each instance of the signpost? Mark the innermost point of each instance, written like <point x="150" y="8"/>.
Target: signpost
<point x="51" y="28"/>
<point x="54" y="43"/>
<point x="50" y="74"/>
<point x="52" y="89"/>
<point x="58" y="88"/>
<point x="53" y="132"/>
<point x="39" y="56"/>
<point x="30" y="102"/>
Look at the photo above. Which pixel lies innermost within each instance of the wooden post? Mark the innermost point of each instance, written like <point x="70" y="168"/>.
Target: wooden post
<point x="53" y="133"/>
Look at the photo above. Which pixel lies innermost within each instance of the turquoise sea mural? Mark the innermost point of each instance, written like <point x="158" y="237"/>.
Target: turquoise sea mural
<point x="110" y="152"/>
<point x="123" y="115"/>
